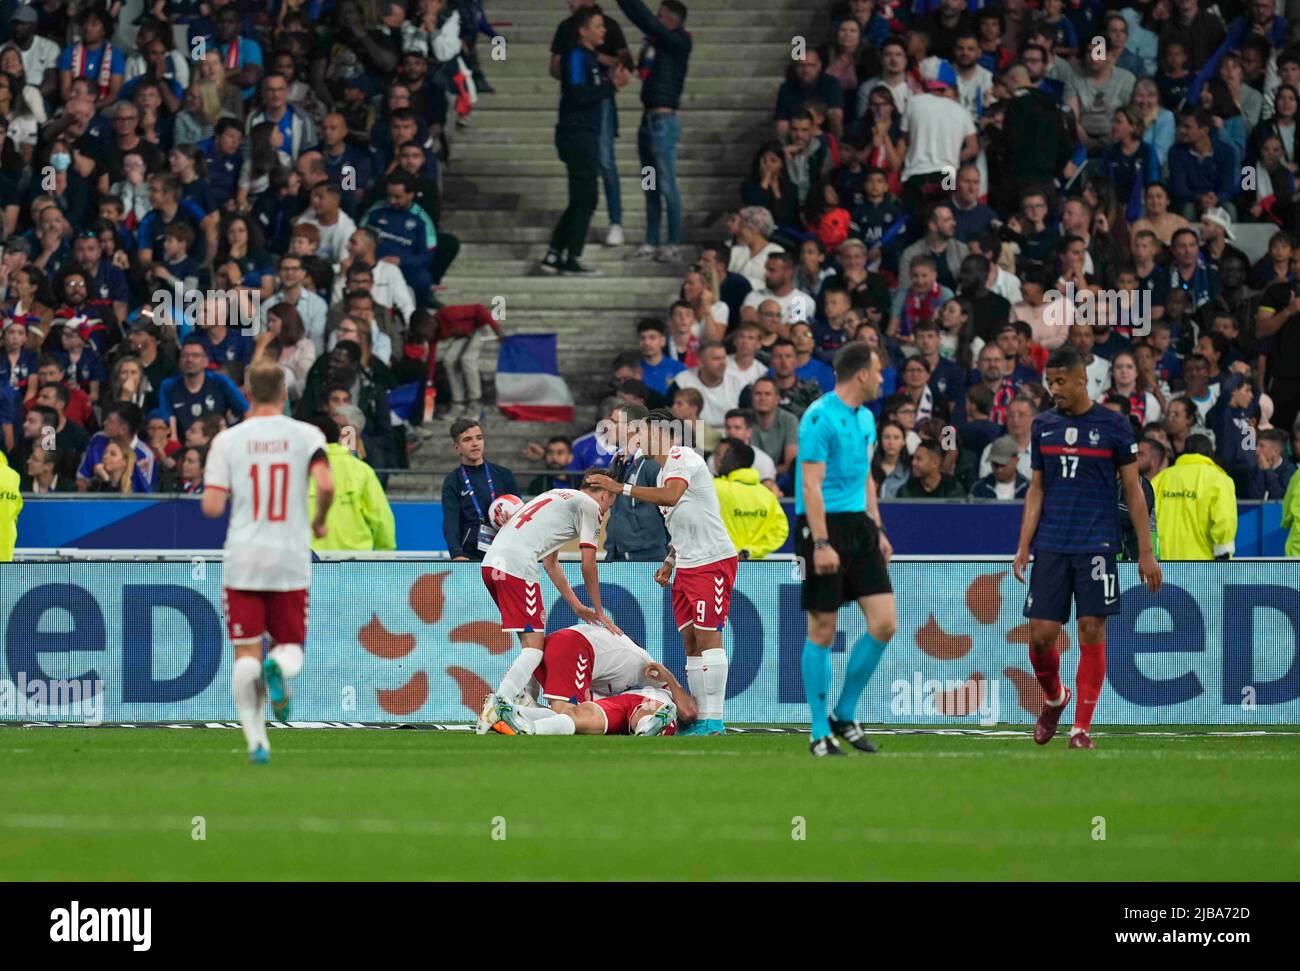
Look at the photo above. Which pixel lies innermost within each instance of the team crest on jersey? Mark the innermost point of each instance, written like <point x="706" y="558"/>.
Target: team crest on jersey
<point x="1071" y="436"/>
<point x="410" y="224"/>
<point x="1094" y="436"/>
<point x="196" y="410"/>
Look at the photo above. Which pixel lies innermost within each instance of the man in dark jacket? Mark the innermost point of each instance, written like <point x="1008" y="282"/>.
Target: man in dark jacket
<point x="586" y="85"/>
<point x="469" y="490"/>
<point x="663" y="74"/>
<point x="635" y="530"/>
<point x="1234" y="434"/>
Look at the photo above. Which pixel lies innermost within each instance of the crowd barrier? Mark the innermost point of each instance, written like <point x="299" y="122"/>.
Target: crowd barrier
<point x="918" y="528"/>
<point x="402" y="640"/>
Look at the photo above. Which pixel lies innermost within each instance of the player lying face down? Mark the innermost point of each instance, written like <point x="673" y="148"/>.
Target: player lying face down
<point x="647" y="710"/>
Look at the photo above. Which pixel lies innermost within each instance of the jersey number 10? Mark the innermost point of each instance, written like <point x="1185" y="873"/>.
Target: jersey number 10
<point x="277" y="497"/>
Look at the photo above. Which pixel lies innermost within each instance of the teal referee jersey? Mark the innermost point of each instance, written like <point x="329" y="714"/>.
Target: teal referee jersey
<point x="840" y="437"/>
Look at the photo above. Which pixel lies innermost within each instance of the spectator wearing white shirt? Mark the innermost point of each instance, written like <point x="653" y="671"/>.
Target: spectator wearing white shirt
<point x="974" y="81"/>
<point x="700" y="290"/>
<point x="752" y="227"/>
<point x="739" y="425"/>
<point x="311" y="308"/>
<point x="39" y="54"/>
<point x="350" y="330"/>
<point x="389" y="287"/>
<point x="744" y="362"/>
<point x="893" y="75"/>
<point x="778" y="278"/>
<point x="326" y="214"/>
<point x="940" y="132"/>
<point x="719" y="389"/>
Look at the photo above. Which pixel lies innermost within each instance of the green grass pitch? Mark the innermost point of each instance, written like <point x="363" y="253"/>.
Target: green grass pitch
<point x="120" y="804"/>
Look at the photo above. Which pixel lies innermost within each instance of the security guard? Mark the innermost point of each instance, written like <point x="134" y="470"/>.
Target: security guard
<point x="1196" y="506"/>
<point x="11" y="504"/>
<point x="360" y="517"/>
<point x="750" y="511"/>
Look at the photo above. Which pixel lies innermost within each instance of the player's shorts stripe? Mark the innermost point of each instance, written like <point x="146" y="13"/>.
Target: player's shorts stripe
<point x="1100" y="453"/>
<point x="590" y="546"/>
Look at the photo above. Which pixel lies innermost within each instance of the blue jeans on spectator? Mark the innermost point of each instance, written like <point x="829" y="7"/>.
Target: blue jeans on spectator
<point x="657" y="145"/>
<point x="608" y="168"/>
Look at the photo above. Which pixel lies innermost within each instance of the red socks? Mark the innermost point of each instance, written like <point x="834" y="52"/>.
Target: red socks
<point x="1047" y="669"/>
<point x="1089" y="680"/>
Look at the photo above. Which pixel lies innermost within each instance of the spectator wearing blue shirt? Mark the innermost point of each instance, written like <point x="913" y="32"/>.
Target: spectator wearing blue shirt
<point x="17" y="363"/>
<point x="241" y="55"/>
<point x="657" y="369"/>
<point x="80" y="362"/>
<point x="346" y="164"/>
<point x="8" y="417"/>
<point x="225" y="160"/>
<point x="94" y="57"/>
<point x="108" y="293"/>
<point x="809" y="368"/>
<point x="168" y="209"/>
<point x="469" y="491"/>
<point x="1202" y="169"/>
<point x="122" y="421"/>
<point x="197" y="391"/>
<point x="406" y="232"/>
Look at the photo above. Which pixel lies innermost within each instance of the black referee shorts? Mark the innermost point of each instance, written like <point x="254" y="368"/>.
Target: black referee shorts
<point x="862" y="573"/>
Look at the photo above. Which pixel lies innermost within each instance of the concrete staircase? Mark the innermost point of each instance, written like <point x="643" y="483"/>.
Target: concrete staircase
<point x="505" y="188"/>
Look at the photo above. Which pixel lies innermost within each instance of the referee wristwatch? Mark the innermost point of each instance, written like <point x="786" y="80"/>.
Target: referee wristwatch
<point x="821" y="544"/>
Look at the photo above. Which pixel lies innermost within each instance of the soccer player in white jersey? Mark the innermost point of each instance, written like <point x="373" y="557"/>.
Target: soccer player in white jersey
<point x="702" y="554"/>
<point x="262" y="466"/>
<point x="535" y="533"/>
<point x="586" y="662"/>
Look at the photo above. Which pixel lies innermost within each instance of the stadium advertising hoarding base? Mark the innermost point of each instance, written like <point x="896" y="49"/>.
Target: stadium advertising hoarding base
<point x="420" y="642"/>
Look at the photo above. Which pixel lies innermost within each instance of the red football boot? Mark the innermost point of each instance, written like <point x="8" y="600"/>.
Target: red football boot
<point x="1045" y="727"/>
<point x="1081" y="740"/>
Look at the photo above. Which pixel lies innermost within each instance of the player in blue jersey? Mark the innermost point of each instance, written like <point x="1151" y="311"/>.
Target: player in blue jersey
<point x="1071" y="523"/>
<point x="840" y="535"/>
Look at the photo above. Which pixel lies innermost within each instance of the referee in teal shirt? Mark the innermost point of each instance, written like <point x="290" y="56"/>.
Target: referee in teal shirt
<point x="842" y="544"/>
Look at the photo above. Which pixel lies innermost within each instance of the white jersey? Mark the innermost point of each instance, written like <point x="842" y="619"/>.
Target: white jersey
<point x="541" y="527"/>
<point x="695" y="523"/>
<point x="263" y="463"/>
<point x="619" y="664"/>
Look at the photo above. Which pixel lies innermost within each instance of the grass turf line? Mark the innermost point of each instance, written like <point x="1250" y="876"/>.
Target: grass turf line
<point x="119" y="804"/>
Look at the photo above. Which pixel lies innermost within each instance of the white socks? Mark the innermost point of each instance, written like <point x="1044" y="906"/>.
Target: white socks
<point x="554" y="724"/>
<point x="245" y="686"/>
<point x="696" y="683"/>
<point x="715" y="666"/>
<point x="520" y="673"/>
<point x="289" y="657"/>
<point x="535" y="714"/>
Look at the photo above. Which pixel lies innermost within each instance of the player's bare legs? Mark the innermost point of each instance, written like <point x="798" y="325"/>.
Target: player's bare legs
<point x="1089" y="679"/>
<point x="1046" y="660"/>
<point x="246" y="687"/>
<point x="517" y="676"/>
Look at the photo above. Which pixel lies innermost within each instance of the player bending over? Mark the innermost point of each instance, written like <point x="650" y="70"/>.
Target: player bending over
<point x="261" y="466"/>
<point x="1071" y="522"/>
<point x="536" y="532"/>
<point x="702" y="553"/>
<point x="585" y="661"/>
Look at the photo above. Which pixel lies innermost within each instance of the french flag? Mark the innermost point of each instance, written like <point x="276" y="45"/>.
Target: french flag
<point x="529" y="386"/>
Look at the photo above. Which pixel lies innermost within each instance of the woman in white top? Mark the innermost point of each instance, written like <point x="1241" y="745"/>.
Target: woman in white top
<point x="20" y="102"/>
<point x="700" y="290"/>
<point x="753" y="227"/>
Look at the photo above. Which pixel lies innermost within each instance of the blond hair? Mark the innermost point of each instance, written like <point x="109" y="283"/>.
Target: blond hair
<point x="265" y="382"/>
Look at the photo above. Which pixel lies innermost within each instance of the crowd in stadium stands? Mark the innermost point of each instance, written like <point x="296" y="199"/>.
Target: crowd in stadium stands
<point x="965" y="185"/>
<point x="278" y="161"/>
<point x="969" y="185"/>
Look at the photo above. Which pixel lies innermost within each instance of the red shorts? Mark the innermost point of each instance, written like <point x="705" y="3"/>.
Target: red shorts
<point x="567" y="663"/>
<point x="702" y="594"/>
<point x="252" y="613"/>
<point x="519" y="601"/>
<point x="618" y="713"/>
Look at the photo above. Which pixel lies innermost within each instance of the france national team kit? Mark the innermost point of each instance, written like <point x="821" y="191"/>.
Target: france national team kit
<point x="1078" y="534"/>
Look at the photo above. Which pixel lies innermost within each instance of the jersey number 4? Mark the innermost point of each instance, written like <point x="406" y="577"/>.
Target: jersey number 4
<point x="277" y="493"/>
<point x="529" y="511"/>
<point x="1069" y="466"/>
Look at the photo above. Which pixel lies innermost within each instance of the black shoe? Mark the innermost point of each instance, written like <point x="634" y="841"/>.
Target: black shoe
<point x="572" y="267"/>
<point x="852" y="733"/>
<point x="823" y="747"/>
<point x="482" y="86"/>
<point x="551" y="263"/>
